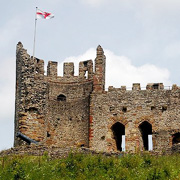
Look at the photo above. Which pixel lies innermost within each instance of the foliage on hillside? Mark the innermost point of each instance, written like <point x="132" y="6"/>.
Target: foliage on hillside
<point x="96" y="167"/>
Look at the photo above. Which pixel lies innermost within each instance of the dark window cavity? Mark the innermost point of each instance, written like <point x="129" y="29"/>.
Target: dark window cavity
<point x="61" y="97"/>
<point x="118" y="130"/>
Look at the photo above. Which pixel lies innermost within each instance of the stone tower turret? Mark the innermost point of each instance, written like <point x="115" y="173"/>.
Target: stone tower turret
<point x="99" y="75"/>
<point x="52" y="109"/>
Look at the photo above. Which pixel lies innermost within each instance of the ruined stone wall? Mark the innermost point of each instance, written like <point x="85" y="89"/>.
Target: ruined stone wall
<point x="30" y="96"/>
<point x="50" y="109"/>
<point x="157" y="106"/>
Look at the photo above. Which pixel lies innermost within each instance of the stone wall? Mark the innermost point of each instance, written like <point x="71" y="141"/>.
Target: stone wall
<point x="158" y="108"/>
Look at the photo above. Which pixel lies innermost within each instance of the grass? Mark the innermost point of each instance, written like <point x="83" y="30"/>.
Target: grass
<point x="96" y="167"/>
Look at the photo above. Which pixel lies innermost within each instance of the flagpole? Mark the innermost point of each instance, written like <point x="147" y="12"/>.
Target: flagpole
<point x="35" y="33"/>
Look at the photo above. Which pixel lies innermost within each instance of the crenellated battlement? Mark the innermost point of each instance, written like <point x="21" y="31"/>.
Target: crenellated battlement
<point x="149" y="87"/>
<point x="86" y="71"/>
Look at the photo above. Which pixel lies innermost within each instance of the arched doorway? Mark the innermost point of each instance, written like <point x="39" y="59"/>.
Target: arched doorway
<point x="118" y="130"/>
<point x="176" y="138"/>
<point x="146" y="133"/>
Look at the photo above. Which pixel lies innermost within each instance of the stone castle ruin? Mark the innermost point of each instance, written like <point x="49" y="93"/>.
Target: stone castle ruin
<point x="77" y="110"/>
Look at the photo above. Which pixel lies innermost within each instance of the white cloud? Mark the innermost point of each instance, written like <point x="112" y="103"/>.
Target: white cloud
<point x="120" y="71"/>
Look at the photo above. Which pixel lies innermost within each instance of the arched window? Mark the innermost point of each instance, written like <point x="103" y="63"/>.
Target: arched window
<point x="146" y="132"/>
<point x="118" y="130"/>
<point x="61" y="97"/>
<point x="176" y="138"/>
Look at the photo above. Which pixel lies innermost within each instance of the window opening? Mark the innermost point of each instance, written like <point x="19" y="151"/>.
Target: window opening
<point x="61" y="97"/>
<point x="118" y="130"/>
<point x="124" y="109"/>
<point x="85" y="63"/>
<point x="48" y="134"/>
<point x="103" y="138"/>
<point x="146" y="130"/>
<point x="155" y="86"/>
<point x="164" y="108"/>
<point x="176" y="138"/>
<point x="86" y="74"/>
<point x="153" y="108"/>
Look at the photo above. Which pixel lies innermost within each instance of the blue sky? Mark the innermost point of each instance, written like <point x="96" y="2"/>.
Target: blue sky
<point x="141" y="39"/>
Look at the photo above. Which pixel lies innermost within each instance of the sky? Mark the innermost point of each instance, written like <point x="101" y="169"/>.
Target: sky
<point x="140" y="38"/>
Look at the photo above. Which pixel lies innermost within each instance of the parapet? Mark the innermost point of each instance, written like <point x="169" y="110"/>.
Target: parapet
<point x="111" y="88"/>
<point x="52" y="69"/>
<point x="68" y="69"/>
<point x="39" y="66"/>
<point x="86" y="66"/>
<point x="151" y="86"/>
<point x="136" y="86"/>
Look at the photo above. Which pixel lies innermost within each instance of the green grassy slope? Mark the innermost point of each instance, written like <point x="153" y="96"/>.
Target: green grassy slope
<point x="94" y="167"/>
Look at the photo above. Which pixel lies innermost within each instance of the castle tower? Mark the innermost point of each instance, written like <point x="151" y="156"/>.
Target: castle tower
<point x="99" y="76"/>
<point x="31" y="91"/>
<point x="52" y="109"/>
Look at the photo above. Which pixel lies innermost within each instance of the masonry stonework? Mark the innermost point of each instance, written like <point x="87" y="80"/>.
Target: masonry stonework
<point x="77" y="111"/>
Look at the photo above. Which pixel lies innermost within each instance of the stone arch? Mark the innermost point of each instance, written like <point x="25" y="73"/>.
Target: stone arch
<point x="118" y="130"/>
<point x="145" y="129"/>
<point x="116" y="119"/>
<point x="148" y="119"/>
<point x="61" y="97"/>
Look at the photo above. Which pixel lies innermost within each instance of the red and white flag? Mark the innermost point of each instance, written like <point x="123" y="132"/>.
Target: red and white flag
<point x="43" y="15"/>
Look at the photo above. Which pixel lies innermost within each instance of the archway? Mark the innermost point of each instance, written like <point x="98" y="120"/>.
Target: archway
<point x="118" y="130"/>
<point x="146" y="132"/>
<point x="176" y="138"/>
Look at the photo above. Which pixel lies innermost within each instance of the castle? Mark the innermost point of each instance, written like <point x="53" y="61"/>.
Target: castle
<point x="78" y="111"/>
